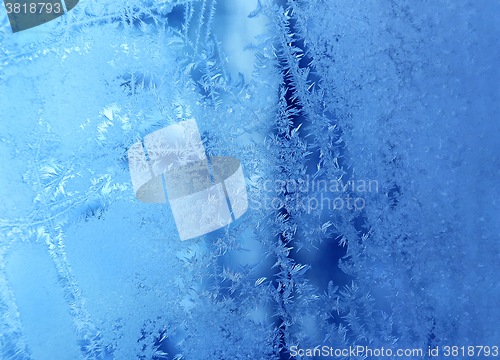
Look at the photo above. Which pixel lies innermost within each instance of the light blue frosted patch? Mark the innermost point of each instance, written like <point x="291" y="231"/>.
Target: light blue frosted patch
<point x="44" y="313"/>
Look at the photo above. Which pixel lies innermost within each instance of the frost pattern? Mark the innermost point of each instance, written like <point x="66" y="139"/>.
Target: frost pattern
<point x="399" y="92"/>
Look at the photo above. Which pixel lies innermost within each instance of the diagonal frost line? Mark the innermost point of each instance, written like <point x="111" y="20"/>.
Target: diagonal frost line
<point x="88" y="335"/>
<point x="11" y="330"/>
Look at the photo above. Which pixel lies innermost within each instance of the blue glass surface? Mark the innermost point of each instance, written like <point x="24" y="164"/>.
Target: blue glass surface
<point x="368" y="134"/>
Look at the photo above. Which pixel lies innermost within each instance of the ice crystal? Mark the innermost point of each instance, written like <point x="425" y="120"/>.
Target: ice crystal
<point x="368" y="140"/>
